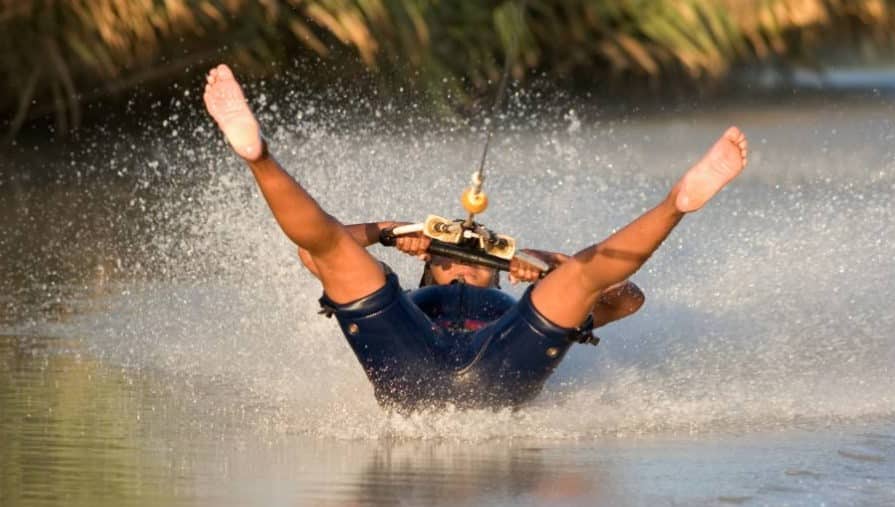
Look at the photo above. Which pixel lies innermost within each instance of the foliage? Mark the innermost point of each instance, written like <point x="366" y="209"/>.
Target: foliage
<point x="61" y="54"/>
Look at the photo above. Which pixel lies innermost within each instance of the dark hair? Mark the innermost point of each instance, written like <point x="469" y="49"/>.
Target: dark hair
<point x="428" y="279"/>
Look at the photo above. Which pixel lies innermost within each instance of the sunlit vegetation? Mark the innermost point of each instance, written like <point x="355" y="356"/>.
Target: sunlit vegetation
<point x="54" y="56"/>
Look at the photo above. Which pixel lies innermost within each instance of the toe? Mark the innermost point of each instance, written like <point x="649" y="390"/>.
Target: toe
<point x="224" y="72"/>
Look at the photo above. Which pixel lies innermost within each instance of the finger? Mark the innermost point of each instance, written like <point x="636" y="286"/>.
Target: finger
<point x="405" y="245"/>
<point x="417" y="246"/>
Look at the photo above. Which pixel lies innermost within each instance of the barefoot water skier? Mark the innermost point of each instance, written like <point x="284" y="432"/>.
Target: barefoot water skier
<point x="464" y="343"/>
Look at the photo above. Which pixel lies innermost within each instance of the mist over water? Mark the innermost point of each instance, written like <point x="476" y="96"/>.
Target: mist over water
<point x="770" y="308"/>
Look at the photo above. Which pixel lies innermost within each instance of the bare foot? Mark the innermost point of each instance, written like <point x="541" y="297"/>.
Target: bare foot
<point x="227" y="105"/>
<point x="722" y="163"/>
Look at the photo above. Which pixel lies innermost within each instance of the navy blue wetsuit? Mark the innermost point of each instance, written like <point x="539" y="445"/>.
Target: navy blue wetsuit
<point x="460" y="344"/>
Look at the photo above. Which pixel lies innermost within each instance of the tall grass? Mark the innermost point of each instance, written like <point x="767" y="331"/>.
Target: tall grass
<point x="56" y="55"/>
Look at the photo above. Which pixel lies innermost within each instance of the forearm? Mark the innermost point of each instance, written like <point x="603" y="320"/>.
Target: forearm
<point x="297" y="213"/>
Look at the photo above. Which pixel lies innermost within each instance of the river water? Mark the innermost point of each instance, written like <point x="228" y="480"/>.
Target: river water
<point x="160" y="344"/>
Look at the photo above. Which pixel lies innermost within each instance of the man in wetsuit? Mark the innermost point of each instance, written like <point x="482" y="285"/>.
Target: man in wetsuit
<point x="413" y="360"/>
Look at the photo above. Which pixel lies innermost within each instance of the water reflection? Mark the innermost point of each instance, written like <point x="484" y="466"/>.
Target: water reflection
<point x="445" y="474"/>
<point x="206" y="378"/>
<point x="74" y="431"/>
<point x="71" y="430"/>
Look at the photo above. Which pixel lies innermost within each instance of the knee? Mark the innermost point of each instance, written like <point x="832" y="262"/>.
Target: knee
<point x="631" y="299"/>
<point x="634" y="297"/>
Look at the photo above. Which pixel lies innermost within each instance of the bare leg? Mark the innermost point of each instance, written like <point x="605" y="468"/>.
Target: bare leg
<point x="345" y="269"/>
<point x="569" y="293"/>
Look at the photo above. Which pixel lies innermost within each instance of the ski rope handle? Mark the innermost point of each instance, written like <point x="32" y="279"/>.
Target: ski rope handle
<point x="474" y="199"/>
<point x="389" y="237"/>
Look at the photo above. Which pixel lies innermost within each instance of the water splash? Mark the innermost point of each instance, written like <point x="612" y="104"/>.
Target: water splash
<point x="768" y="308"/>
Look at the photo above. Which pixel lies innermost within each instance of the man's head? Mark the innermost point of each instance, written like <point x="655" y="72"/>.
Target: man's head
<point x="442" y="271"/>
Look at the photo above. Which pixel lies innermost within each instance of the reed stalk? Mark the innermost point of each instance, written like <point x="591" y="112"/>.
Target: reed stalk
<point x="56" y="54"/>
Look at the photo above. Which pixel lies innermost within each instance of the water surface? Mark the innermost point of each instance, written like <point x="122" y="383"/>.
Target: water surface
<point x="160" y="343"/>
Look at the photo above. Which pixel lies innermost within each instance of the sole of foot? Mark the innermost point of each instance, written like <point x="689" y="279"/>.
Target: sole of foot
<point x="227" y="104"/>
<point x="721" y="164"/>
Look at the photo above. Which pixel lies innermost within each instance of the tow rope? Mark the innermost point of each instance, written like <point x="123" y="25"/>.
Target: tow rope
<point x="466" y="240"/>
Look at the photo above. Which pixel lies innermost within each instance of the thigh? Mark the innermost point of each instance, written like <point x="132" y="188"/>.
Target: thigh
<point x="394" y="342"/>
<point x="516" y="355"/>
<point x="347" y="271"/>
<point x="562" y="298"/>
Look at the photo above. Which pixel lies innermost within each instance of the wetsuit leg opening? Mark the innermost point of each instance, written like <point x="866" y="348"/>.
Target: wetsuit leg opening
<point x="516" y="355"/>
<point x="394" y="342"/>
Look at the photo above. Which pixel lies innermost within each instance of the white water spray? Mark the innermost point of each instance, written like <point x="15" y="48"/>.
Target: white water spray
<point x="769" y="307"/>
